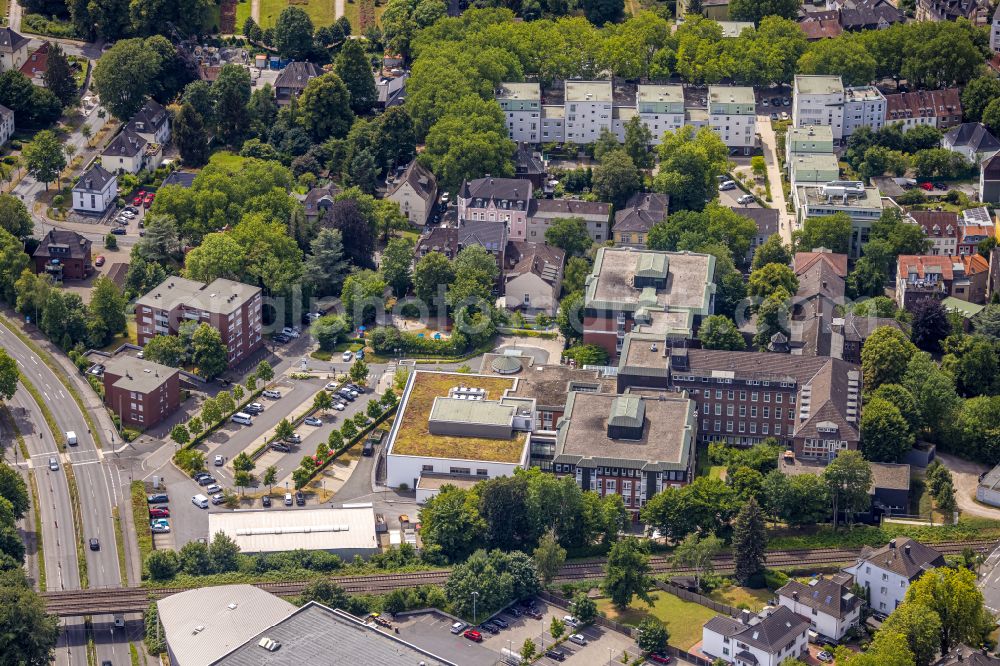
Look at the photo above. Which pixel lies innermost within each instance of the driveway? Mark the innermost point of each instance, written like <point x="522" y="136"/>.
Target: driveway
<point x="965" y="475"/>
<point x="769" y="143"/>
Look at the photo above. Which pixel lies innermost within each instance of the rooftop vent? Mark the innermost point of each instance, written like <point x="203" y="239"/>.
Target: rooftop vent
<point x="269" y="644"/>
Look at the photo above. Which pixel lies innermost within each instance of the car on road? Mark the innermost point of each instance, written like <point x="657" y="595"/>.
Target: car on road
<point x="99" y="261"/>
<point x="214" y="488"/>
<point x="579" y="639"/>
<point x="288" y="499"/>
<point x="825" y="656"/>
<point x="339" y="406"/>
<point x="458" y="627"/>
<point x="272" y="394"/>
<point x="557" y="655"/>
<point x="658" y="657"/>
<point x="265" y="501"/>
<point x="313" y="421"/>
<point x="118" y="231"/>
<point x="95" y="544"/>
<point x="745" y="199"/>
<point x="727" y="185"/>
<point x="300" y="499"/>
<point x="159" y="512"/>
<point x="220" y="461"/>
<point x="280" y="446"/>
<point x="347" y="356"/>
<point x="158" y="498"/>
<point x="473" y="635"/>
<point x="53" y="464"/>
<point x="159" y="529"/>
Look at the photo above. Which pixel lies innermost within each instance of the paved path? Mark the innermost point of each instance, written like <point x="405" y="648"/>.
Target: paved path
<point x="338" y="8"/>
<point x="254" y="12"/>
<point x="769" y="142"/>
<point x="14" y="13"/>
<point x="965" y="475"/>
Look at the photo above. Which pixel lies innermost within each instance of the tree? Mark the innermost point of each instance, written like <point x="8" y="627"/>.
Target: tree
<point x="451" y="522"/>
<point x="600" y="12"/>
<point x="468" y="142"/>
<point x="653" y="636"/>
<point x="163" y="564"/>
<point x="396" y="261"/>
<point x="358" y="372"/>
<point x="125" y="76"/>
<point x="232" y="93"/>
<point x="626" y="573"/>
<point x="322" y="401"/>
<point x="887" y="649"/>
<point x="922" y="628"/>
<point x="900" y="397"/>
<point x="746" y="10"/>
<point x="208" y="351"/>
<point x="885" y="356"/>
<point x="977" y="95"/>
<point x="293" y="34"/>
<point x="354" y="69"/>
<point x="190" y="136"/>
<point x="848" y="478"/>
<point x="326" y="268"/>
<point x="749" y="542"/>
<point x="954" y="596"/>
<point x="584" y="609"/>
<point x="324" y="108"/>
<point x="496" y="576"/>
<point x="549" y="557"/>
<point x="769" y="278"/>
<point x="224" y="553"/>
<point x="930" y="324"/>
<point x="357" y="231"/>
<point x="44" y="157"/>
<point x="719" y="332"/>
<point x="59" y="77"/>
<point x="270" y="477"/>
<point x="106" y="312"/>
<point x="885" y="434"/>
<point x="243" y="463"/>
<point x="527" y="650"/>
<point x="557" y="628"/>
<point x="28" y="634"/>
<point x="194" y="559"/>
<point x="570" y="234"/>
<point x="772" y="251"/>
<point x="638" y="138"/>
<point x="616" y="178"/>
<point x="696" y="552"/>
<point x="264" y="371"/>
<point x="8" y="376"/>
<point x="991" y="115"/>
<point x="14" y="217"/>
<point x="832" y="232"/>
<point x="14" y="490"/>
<point x="166" y="350"/>
<point x="180" y="435"/>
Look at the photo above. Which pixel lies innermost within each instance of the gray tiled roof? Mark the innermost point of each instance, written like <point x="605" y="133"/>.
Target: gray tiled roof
<point x="94" y="179"/>
<point x="770" y="634"/>
<point x="973" y="135"/>
<point x="11" y="41"/>
<point x="903" y="556"/>
<point x="823" y="594"/>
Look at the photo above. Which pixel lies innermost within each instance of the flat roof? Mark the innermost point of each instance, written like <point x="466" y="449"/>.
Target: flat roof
<point x="549" y="385"/>
<point x="528" y="91"/>
<point x="815" y="161"/>
<point x="652" y="93"/>
<point x="731" y="95"/>
<point x="136" y="374"/>
<point x="351" y="527"/>
<point x="689" y="281"/>
<point x="222" y="296"/>
<point x="411" y="436"/>
<point x="813" y="195"/>
<point x="203" y="624"/>
<point x="437" y="480"/>
<point x="667" y="434"/>
<point x="480" y="412"/>
<point x="863" y="94"/>
<point x="578" y="91"/>
<point x="554" y="111"/>
<point x="818" y="84"/>
<point x="810" y="133"/>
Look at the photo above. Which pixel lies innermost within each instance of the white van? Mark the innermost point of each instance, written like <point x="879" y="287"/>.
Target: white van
<point x="242" y="417"/>
<point x="271" y="393"/>
<point x="200" y="501"/>
<point x="71" y="438"/>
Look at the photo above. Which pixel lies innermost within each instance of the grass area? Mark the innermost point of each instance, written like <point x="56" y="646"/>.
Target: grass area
<point x="683" y="619"/>
<point x="134" y="654"/>
<point x="414" y="438"/>
<point x="322" y="12"/>
<point x="39" y="546"/>
<point x="242" y="14"/>
<point x="735" y="595"/>
<point x="865" y="535"/>
<point x="140" y="517"/>
<point x="131" y="336"/>
<point x="120" y="543"/>
<point x="321" y="355"/>
<point x="81" y="554"/>
<point x="227" y="160"/>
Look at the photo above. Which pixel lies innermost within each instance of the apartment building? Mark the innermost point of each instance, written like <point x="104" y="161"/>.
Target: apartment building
<point x="862" y="204"/>
<point x="542" y="213"/>
<point x="819" y="100"/>
<point x="642" y="211"/>
<point x="886" y="573"/>
<point x="940" y="228"/>
<point x="497" y="200"/>
<point x="664" y="292"/>
<point x="522" y="107"/>
<point x="6" y="124"/>
<point x="732" y="115"/>
<point x="976" y="11"/>
<point x="232" y="308"/>
<point x="633" y="445"/>
<point x="864" y="106"/>
<point x="995" y="31"/>
<point x="937" y="108"/>
<point x="588" y="110"/>
<point x="811" y="404"/>
<point x="661" y="109"/>
<point x="140" y="392"/>
<point x="828" y="603"/>
<point x="769" y="639"/>
<point x="926" y="276"/>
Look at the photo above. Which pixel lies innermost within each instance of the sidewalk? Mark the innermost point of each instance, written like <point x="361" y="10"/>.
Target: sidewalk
<point x="769" y="142"/>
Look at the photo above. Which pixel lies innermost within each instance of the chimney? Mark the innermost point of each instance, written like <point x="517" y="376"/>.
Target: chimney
<point x="744" y="617"/>
<point x="795" y="595"/>
<point x="907" y="548"/>
<point x="892" y="543"/>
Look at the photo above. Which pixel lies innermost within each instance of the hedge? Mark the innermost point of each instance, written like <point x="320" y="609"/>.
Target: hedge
<point x="354" y="440"/>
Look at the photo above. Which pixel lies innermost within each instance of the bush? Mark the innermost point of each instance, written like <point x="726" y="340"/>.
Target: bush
<point x="130" y="434"/>
<point x="41" y="25"/>
<point x="775" y="579"/>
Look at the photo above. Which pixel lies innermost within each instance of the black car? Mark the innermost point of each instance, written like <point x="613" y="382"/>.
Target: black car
<point x="160" y="498"/>
<point x="368" y="450"/>
<point x="356" y="387"/>
<point x="346" y="395"/>
<point x="513" y="612"/>
<point x="500" y="622"/>
<point x="200" y="475"/>
<point x="279" y="446"/>
<point x="206" y="480"/>
<point x="265" y="501"/>
<point x="558" y="655"/>
<point x="280" y="337"/>
<point x="486" y="626"/>
<point x="533" y="613"/>
<point x="300" y="499"/>
<point x="95" y="544"/>
<point x="118" y="231"/>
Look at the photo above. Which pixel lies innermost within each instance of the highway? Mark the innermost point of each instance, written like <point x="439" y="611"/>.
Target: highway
<point x="99" y="487"/>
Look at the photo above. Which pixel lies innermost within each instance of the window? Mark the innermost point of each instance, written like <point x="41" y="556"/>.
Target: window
<point x="743" y="410"/>
<point x="460" y="470"/>
<point x="718" y="394"/>
<point x="729" y="395"/>
<point x="767" y="396"/>
<point x="729" y="410"/>
<point x="427" y="468"/>
<point x="767" y="412"/>
<point x="718" y="409"/>
<point x="482" y="472"/>
<point x="753" y="411"/>
<point x="754" y="396"/>
<point x="743" y="395"/>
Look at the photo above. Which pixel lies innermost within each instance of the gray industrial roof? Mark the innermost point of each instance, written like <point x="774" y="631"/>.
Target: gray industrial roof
<point x="204" y="624"/>
<point x="136" y="374"/>
<point x="315" y="634"/>
<point x="349" y="528"/>
<point x="480" y="412"/>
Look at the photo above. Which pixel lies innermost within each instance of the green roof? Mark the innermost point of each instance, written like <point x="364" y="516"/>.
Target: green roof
<point x="964" y="308"/>
<point x="627" y="411"/>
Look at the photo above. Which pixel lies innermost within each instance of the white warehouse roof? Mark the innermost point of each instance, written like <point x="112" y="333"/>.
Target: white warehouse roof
<point x="350" y="528"/>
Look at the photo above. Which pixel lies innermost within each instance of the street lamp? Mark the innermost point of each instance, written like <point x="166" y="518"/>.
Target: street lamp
<point x="475" y="597"/>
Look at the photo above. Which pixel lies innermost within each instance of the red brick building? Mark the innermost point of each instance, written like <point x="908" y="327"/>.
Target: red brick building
<point x="65" y="255"/>
<point x="141" y="393"/>
<point x="232" y="308"/>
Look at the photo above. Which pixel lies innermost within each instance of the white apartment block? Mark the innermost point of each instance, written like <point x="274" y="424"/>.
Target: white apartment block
<point x="732" y="115"/>
<point x="864" y="106"/>
<point x="819" y="100"/>
<point x="522" y="108"/>
<point x="995" y="32"/>
<point x="588" y="110"/>
<point x="661" y="108"/>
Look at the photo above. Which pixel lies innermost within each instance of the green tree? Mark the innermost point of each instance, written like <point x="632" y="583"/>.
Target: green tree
<point x="270" y="477"/>
<point x="14" y="490"/>
<point x="930" y="324"/>
<point x="496" y="576"/>
<point x="208" y="351"/>
<point x="584" y="609"/>
<point x="977" y="95"/>
<point x="322" y="401"/>
<point x="922" y="628"/>
<point x="125" y="75"/>
<point x="527" y="650"/>
<point x="232" y="93"/>
<point x="772" y="251"/>
<point x="284" y="429"/>
<point x="326" y="267"/>
<point x="885" y="434"/>
<point x="769" y="278"/>
<point x="848" y="478"/>
<point x="719" y="332"/>
<point x="600" y="12"/>
<point x="396" y="261"/>
<point x="744" y="10"/>
<point x="885" y="356"/>
<point x="44" y="157"/>
<point x="106" y="312"/>
<point x="749" y="543"/>
<point x="696" y="552"/>
<point x="8" y="376"/>
<point x="954" y="596"/>
<point x="832" y="232"/>
<point x="190" y="460"/>
<point x="59" y="77"/>
<point x="354" y="69"/>
<point x="293" y="33"/>
<point x="431" y="271"/>
<point x="549" y="557"/>
<point x="557" y="628"/>
<point x="637" y="141"/>
<point x="224" y="553"/>
<point x="14" y="217"/>
<point x="653" y="635"/>
<point x="469" y="141"/>
<point x="195" y="425"/>
<point x="358" y="372"/>
<point x="616" y="178"/>
<point x="264" y="371"/>
<point x="451" y="522"/>
<point x="166" y="350"/>
<point x="570" y="234"/>
<point x="325" y="108"/>
<point x="180" y="434"/>
<point x="626" y="573"/>
<point x="163" y="564"/>
<point x="194" y="559"/>
<point x="887" y="649"/>
<point x="243" y="463"/>
<point x="901" y="397"/>
<point x="190" y="136"/>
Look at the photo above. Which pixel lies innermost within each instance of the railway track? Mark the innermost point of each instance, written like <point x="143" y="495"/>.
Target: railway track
<point x="99" y="601"/>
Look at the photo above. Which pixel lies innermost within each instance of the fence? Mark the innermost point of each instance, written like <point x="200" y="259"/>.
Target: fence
<point x="688" y="595"/>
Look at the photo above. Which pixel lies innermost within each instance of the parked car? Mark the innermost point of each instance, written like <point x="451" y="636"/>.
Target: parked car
<point x="294" y="438"/>
<point x="131" y="209"/>
<point x="331" y="386"/>
<point x="926" y="186"/>
<point x="118" y="231"/>
<point x="492" y="628"/>
<point x="288" y="499"/>
<point x="220" y="461"/>
<point x="658" y="657"/>
<point x="214" y="488"/>
<point x="346" y="395"/>
<point x="727" y="185"/>
<point x="300" y="499"/>
<point x="500" y="622"/>
<point x="160" y="521"/>
<point x="159" y="529"/>
<point x="941" y="186"/>
<point x="290" y="332"/>
<point x="513" y="612"/>
<point x="158" y="498"/>
<point x="278" y="337"/>
<point x="200" y="475"/>
<point x="254" y="408"/>
<point x="147" y="201"/>
<point x="265" y="501"/>
<point x="206" y="481"/>
<point x="347" y="356"/>
<point x="533" y="613"/>
<point x="784" y="115"/>
<point x="360" y="354"/>
<point x="473" y="635"/>
<point x="774" y="115"/>
<point x="279" y="446"/>
<point x="339" y="406"/>
<point x="825" y="656"/>
<point x="765" y="102"/>
<point x="786" y="101"/>
<point x="571" y="621"/>
<point x="458" y="627"/>
<point x="557" y="655"/>
<point x="313" y="421"/>
<point x="95" y="544"/>
<point x="137" y="201"/>
<point x="775" y="101"/>
<point x="99" y="261"/>
<point x="159" y="512"/>
<point x="745" y="199"/>
<point x="578" y="639"/>
<point x="218" y="499"/>
<point x="272" y="394"/>
<point x="53" y="464"/>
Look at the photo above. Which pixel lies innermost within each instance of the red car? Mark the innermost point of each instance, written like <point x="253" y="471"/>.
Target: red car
<point x="99" y="261"/>
<point x="148" y="201"/>
<point x="137" y="201"/>
<point x="659" y="658"/>
<point x="473" y="635"/>
<point x="159" y="512"/>
<point x="926" y="186"/>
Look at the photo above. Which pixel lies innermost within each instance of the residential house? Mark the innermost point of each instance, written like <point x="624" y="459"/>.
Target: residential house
<point x="971" y="140"/>
<point x="6" y="124"/>
<point x="232" y="308"/>
<point x="390" y="80"/>
<point x="766" y="220"/>
<point x="717" y="10"/>
<point x="318" y="201"/>
<point x="889" y="491"/>
<point x="864" y="106"/>
<point x="542" y="213"/>
<point x="664" y="292"/>
<point x="183" y="179"/>
<point x="130" y="153"/>
<point x="633" y="445"/>
<point x="926" y="276"/>
<point x="989" y="180"/>
<point x="533" y="277"/>
<point x="995" y="31"/>
<point x="37" y="64"/>
<point x="151" y="122"/>
<point x="821" y="25"/>
<point x="95" y="191"/>
<point x="854" y="330"/>
<point x="522" y="107"/>
<point x="822" y="284"/>
<point x="976" y="11"/>
<point x="970" y="236"/>
<point x="415" y="192"/>
<point x="140" y="392"/>
<point x="496" y="200"/>
<point x="438" y="239"/>
<point x="529" y="165"/>
<point x="292" y="81"/>
<point x="819" y="100"/>
<point x="732" y="115"/>
<point x="886" y="573"/>
<point x="980" y="215"/>
<point x="809" y="403"/>
<point x="869" y="15"/>
<point x="940" y="228"/>
<point x="13" y="50"/>
<point x="828" y="603"/>
<point x="64" y="255"/>
<point x="963" y="655"/>
<point x="641" y="212"/>
<point x="768" y="639"/>
<point x="937" y="108"/>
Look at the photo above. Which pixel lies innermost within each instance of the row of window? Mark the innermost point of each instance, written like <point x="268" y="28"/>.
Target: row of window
<point x="730" y="411"/>
<point x="765" y="428"/>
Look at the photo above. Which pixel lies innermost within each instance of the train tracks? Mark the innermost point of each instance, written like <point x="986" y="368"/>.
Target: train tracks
<point x="100" y="601"/>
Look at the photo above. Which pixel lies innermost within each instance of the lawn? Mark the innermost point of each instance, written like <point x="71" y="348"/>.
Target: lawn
<point x="242" y="14"/>
<point x="227" y="160"/>
<point x="132" y="337"/>
<point x="683" y="619"/>
<point x="735" y="595"/>
<point x="322" y="12"/>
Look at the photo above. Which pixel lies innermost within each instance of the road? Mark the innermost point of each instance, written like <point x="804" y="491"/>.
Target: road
<point x="99" y="486"/>
<point x="965" y="475"/>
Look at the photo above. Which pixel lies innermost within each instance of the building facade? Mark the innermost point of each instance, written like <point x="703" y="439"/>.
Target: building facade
<point x="141" y="393"/>
<point x="937" y="108"/>
<point x="588" y="110"/>
<point x="827" y="603"/>
<point x="732" y="116"/>
<point x="926" y="276"/>
<point x="768" y="639"/>
<point x="416" y="193"/>
<point x="864" y="106"/>
<point x="13" y="50"/>
<point x="522" y="107"/>
<point x="886" y="573"/>
<point x="497" y="200"/>
<point x="819" y="100"/>
<point x="95" y="191"/>
<point x="64" y="255"/>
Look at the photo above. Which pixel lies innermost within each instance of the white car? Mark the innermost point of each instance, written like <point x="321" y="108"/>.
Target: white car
<point x="332" y="386"/>
<point x="272" y="394"/>
<point x="348" y="356"/>
<point x="290" y="332"/>
<point x="214" y="488"/>
<point x="745" y="199"/>
<point x="571" y="621"/>
<point x="220" y="461"/>
<point x="159" y="529"/>
<point x="53" y="464"/>
<point x="727" y="185"/>
<point x="458" y="627"/>
<point x="339" y="406"/>
<point x="578" y="639"/>
<point x="313" y="421"/>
